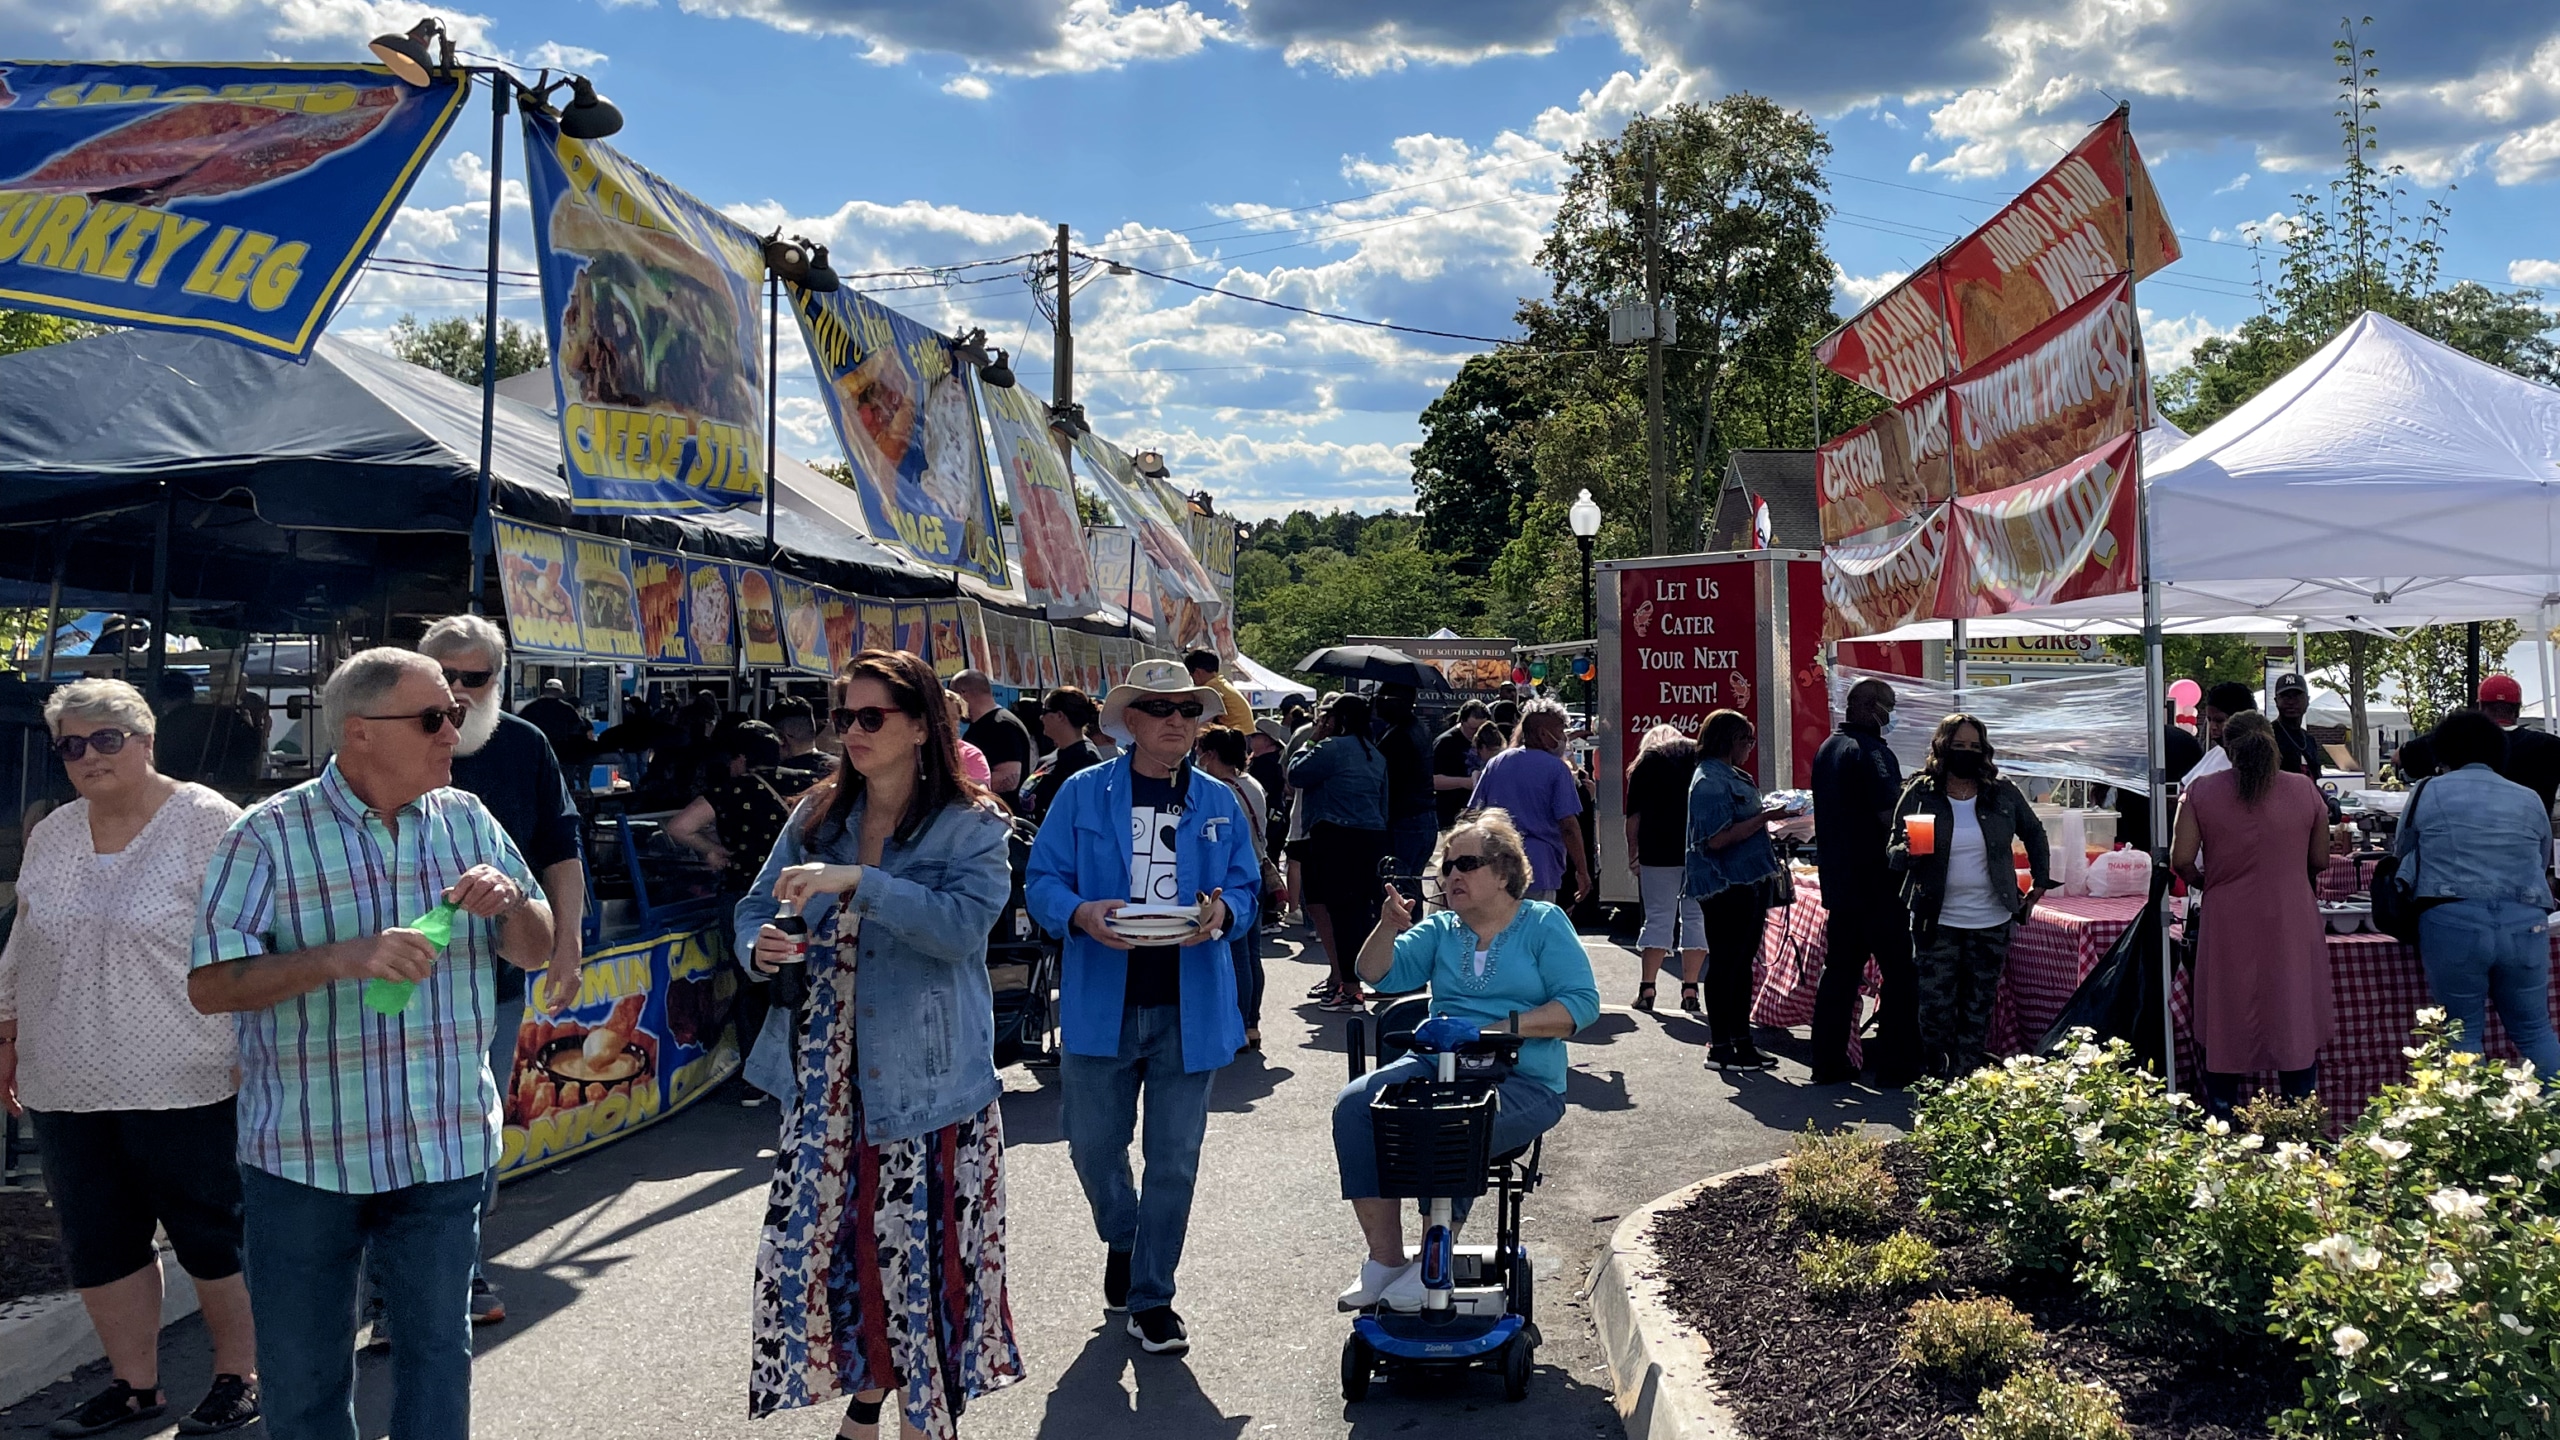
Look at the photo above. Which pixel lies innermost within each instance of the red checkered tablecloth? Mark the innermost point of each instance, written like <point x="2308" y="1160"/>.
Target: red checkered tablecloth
<point x="2345" y="876"/>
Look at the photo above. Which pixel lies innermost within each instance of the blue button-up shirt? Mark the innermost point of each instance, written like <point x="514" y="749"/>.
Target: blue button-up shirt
<point x="333" y="1095"/>
<point x="2478" y="836"/>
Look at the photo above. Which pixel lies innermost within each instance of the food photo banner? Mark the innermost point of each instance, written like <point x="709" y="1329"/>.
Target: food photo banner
<point x="649" y="302"/>
<point x="1057" y="577"/>
<point x="1884" y="581"/>
<point x="903" y="412"/>
<point x="2058" y="241"/>
<point x="2053" y="397"/>
<point x="1155" y="514"/>
<point x="2064" y="536"/>
<point x="1884" y="471"/>
<point x="229" y="200"/>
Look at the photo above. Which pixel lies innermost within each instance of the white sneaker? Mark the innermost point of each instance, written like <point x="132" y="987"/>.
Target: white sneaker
<point x="1376" y="1281"/>
<point x="1405" y="1292"/>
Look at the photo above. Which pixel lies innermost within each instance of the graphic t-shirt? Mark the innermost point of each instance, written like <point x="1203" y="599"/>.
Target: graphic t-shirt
<point x="1155" y="971"/>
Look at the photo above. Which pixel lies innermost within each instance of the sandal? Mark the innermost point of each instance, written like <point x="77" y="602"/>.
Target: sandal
<point x="1689" y="997"/>
<point x="1644" y="997"/>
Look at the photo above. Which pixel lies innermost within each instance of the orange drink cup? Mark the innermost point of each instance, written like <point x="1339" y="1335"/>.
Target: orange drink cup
<point x="1922" y="831"/>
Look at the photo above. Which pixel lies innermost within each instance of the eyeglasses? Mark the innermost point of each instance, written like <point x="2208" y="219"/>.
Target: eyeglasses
<point x="468" y="679"/>
<point x="868" y="719"/>
<point x="1462" y="864"/>
<point x="1167" y="709"/>
<point x="105" y="742"/>
<point x="431" y="719"/>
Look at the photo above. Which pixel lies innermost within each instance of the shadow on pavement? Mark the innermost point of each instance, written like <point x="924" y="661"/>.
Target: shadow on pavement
<point x="1597" y="1090"/>
<point x="1784" y="1104"/>
<point x="1406" y="1405"/>
<point x="1090" y="1398"/>
<point x="1031" y="1116"/>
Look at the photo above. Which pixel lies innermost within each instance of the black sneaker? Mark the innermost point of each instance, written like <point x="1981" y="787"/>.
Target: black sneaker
<point x="1730" y="1056"/>
<point x="230" y="1404"/>
<point x="1160" y="1330"/>
<point x="1834" y="1073"/>
<point x="1115" y="1282"/>
<point x="1748" y="1056"/>
<point x="121" y="1404"/>
<point x="486" y="1306"/>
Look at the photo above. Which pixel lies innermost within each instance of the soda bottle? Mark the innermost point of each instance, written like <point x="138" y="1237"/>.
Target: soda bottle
<point x="390" y="997"/>
<point x="790" y="980"/>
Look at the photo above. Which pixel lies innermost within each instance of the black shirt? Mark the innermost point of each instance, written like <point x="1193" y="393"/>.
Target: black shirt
<point x="1856" y="782"/>
<point x="2180" y="752"/>
<point x="2533" y="761"/>
<point x="1407" y="748"/>
<point x="797" y="773"/>
<point x="562" y="725"/>
<point x="1002" y="737"/>
<point x="1155" y="809"/>
<point x="2296" y="750"/>
<point x="750" y="817"/>
<point x="518" y="778"/>
<point x="1064" y="761"/>
<point x="1658" y="796"/>
<point x="1449" y="755"/>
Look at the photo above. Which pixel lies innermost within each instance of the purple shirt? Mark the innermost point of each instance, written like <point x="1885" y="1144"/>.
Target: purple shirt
<point x="1536" y="788"/>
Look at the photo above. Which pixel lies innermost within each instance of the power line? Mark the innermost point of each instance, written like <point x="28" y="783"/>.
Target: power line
<point x="1301" y="309"/>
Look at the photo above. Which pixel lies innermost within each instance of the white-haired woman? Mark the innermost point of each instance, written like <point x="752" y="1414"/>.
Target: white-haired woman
<point x="1658" y="852"/>
<point x="130" y="1089"/>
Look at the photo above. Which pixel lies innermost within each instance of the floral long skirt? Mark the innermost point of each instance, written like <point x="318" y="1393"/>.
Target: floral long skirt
<point x="881" y="1266"/>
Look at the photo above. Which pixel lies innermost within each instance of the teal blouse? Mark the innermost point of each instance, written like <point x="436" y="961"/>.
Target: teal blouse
<point x="1536" y="958"/>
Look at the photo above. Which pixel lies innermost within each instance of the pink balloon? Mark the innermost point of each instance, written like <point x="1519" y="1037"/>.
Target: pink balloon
<point x="2186" y="692"/>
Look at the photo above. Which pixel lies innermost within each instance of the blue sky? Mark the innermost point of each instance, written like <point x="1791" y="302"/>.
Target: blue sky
<point x="1393" y="159"/>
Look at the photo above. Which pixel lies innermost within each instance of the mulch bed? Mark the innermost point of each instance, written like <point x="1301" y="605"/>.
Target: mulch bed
<point x="30" y="1251"/>
<point x="1796" y="1368"/>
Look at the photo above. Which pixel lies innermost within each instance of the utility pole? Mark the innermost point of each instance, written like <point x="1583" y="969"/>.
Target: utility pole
<point x="1653" y="466"/>
<point x="1063" y="378"/>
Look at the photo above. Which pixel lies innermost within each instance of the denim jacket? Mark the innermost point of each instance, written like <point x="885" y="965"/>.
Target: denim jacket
<point x="2002" y="812"/>
<point x="1719" y="796"/>
<point x="2478" y="836"/>
<point x="925" y="1022"/>
<point x="1083" y="854"/>
<point x="1346" y="783"/>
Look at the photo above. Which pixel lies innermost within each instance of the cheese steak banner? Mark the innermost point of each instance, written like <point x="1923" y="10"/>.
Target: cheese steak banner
<point x="1056" y="576"/>
<point x="1886" y="470"/>
<point x="2061" y="239"/>
<point x="2063" y="536"/>
<point x="229" y="200"/>
<point x="903" y="412"/>
<point x="648" y="296"/>
<point x="2049" y="399"/>
<point x="1885" y="581"/>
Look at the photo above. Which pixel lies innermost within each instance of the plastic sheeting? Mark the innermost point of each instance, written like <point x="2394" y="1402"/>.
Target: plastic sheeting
<point x="2079" y="727"/>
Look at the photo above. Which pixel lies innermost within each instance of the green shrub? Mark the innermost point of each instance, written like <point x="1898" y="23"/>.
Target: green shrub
<point x="2281" y="1121"/>
<point x="1833" y="1267"/>
<point x="1836" y="1181"/>
<point x="2037" y="1404"/>
<point x="1983" y="1338"/>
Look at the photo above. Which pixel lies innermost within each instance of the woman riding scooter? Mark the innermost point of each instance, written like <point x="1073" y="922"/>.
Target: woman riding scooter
<point x="1495" y="960"/>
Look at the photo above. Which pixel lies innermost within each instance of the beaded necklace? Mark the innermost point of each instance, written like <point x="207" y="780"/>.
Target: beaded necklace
<point x="1470" y="981"/>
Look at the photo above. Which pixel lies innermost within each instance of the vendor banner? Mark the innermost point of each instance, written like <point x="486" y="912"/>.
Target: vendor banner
<point x="2056" y="395"/>
<point x="1213" y="540"/>
<point x="649" y="1033"/>
<point x="608" y="601"/>
<point x="973" y="627"/>
<point x="229" y="200"/>
<point x="1155" y="513"/>
<point x="1116" y="573"/>
<point x="711" y="613"/>
<point x="2076" y="727"/>
<point x="2063" y="536"/>
<point x="914" y="630"/>
<point x="841" y="616"/>
<point x="664" y="637"/>
<point x="1884" y="471"/>
<point x="1057" y="578"/>
<point x="804" y="628"/>
<point x="950" y="653"/>
<point x="903" y="412"/>
<point x="536" y="574"/>
<point x="1885" y="581"/>
<point x="1472" y="667"/>
<point x="649" y="301"/>
<point x="2058" y="241"/>
<point x="879" y="625"/>
<point x="760" y="616"/>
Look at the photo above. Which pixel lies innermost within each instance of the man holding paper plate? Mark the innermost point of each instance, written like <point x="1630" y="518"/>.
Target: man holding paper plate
<point x="1146" y="869"/>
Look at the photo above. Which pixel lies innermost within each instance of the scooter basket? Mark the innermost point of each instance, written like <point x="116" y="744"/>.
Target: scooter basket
<point x="1434" y="1138"/>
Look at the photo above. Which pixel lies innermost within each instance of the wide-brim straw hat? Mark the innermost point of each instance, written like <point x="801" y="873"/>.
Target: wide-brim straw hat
<point x="1149" y="679"/>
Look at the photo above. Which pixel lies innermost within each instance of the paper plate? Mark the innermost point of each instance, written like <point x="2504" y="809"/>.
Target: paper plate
<point x="1187" y="913"/>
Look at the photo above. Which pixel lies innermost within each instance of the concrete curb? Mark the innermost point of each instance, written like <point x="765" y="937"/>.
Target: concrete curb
<point x="43" y="1338"/>
<point x="1657" y="1364"/>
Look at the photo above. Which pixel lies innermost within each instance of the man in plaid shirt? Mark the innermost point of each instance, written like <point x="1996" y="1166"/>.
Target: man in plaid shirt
<point x="364" y="1136"/>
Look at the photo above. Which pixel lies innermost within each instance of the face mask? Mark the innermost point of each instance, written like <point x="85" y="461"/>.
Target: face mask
<point x="1885" y="726"/>
<point x="1965" y="764"/>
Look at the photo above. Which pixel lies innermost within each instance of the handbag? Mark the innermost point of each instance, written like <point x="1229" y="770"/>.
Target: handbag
<point x="1777" y="889"/>
<point x="2396" y="906"/>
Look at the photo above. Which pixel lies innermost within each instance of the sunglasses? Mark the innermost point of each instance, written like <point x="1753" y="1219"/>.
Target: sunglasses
<point x="1167" y="709"/>
<point x="468" y="679"/>
<point x="1462" y="864"/>
<point x="868" y="719"/>
<point x="105" y="742"/>
<point x="431" y="719"/>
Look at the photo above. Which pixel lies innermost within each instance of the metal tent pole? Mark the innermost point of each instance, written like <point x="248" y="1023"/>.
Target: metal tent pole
<point x="772" y="383"/>
<point x="62" y="554"/>
<point x="483" y="527"/>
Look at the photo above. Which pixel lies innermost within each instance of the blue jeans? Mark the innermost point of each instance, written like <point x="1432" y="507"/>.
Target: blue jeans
<point x="1527" y="1110"/>
<point x="502" y="1060"/>
<point x="2484" y="952"/>
<point x="1099" y="1111"/>
<point x="304" y="1248"/>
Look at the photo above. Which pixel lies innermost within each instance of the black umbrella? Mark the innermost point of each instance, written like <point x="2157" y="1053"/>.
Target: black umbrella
<point x="1373" y="662"/>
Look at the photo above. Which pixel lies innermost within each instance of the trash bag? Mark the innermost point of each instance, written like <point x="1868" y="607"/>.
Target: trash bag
<point x="2121" y="998"/>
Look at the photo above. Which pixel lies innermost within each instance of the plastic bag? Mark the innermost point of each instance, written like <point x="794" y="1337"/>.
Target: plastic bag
<point x="2070" y="845"/>
<point x="2119" y="873"/>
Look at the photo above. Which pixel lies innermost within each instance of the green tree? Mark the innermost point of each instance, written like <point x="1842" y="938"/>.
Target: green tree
<point x="1468" y="481"/>
<point x="26" y="330"/>
<point x="452" y="346"/>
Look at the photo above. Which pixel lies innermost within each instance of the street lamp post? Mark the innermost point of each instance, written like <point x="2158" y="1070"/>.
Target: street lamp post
<point x="1584" y="518"/>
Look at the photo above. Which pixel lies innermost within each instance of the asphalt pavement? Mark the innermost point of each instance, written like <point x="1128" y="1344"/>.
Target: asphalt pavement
<point x="626" y="1273"/>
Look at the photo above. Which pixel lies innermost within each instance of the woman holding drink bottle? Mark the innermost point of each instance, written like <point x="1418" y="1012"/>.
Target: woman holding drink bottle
<point x="882" y="1260"/>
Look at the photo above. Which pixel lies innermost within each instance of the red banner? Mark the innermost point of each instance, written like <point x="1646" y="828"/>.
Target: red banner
<point x="2062" y="536"/>
<point x="1883" y="584"/>
<point x="2061" y="239"/>
<point x="2049" y="399"/>
<point x="1888" y="469"/>
<point x="1686" y="645"/>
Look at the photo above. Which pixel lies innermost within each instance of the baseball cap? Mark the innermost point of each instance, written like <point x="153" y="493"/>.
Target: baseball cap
<point x="2289" y="683"/>
<point x="2500" y="690"/>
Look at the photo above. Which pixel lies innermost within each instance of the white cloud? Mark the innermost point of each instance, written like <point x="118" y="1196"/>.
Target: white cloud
<point x="2237" y="182"/>
<point x="2537" y="273"/>
<point x="2168" y="343"/>
<point x="1014" y="37"/>
<point x="967" y="87"/>
<point x="1859" y="291"/>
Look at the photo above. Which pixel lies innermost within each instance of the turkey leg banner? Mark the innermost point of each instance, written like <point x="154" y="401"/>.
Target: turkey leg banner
<point x="230" y="200"/>
<point x="649" y="298"/>
<point x="2046" y="250"/>
<point x="1055" y="573"/>
<point x="902" y="411"/>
